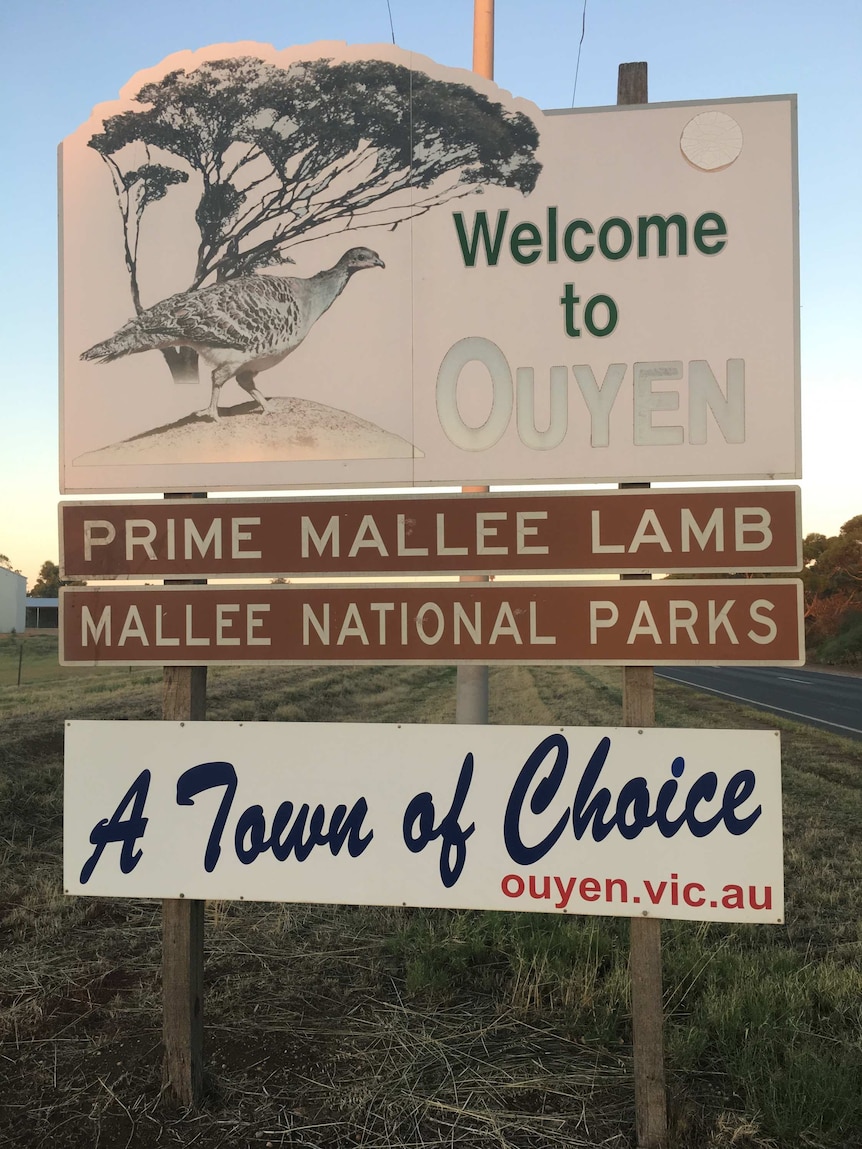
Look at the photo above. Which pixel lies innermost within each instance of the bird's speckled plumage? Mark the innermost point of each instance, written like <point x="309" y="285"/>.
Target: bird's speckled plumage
<point x="240" y="327"/>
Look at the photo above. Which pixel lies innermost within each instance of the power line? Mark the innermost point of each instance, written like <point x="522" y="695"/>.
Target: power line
<point x="580" y="42"/>
<point x="391" y="25"/>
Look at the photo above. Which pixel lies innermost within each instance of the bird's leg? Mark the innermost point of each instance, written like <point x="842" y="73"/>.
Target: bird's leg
<point x="211" y="412"/>
<point x="246" y="381"/>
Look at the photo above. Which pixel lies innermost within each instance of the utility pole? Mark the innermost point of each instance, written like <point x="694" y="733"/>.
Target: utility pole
<point x="471" y="689"/>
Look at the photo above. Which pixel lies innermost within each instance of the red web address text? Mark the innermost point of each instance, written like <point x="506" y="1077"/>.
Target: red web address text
<point x="572" y="893"/>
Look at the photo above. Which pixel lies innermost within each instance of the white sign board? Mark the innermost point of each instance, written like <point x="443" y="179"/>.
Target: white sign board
<point x="439" y="284"/>
<point x="665" y="823"/>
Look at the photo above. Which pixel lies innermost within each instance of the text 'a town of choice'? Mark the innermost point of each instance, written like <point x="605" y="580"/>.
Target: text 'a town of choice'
<point x="677" y="823"/>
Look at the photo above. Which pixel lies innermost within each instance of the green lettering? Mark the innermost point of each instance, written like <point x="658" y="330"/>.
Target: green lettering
<point x="626" y="231"/>
<point x="552" y="235"/>
<point x="661" y="225"/>
<point x="710" y="227"/>
<point x="525" y="235"/>
<point x="569" y="300"/>
<point x="481" y="232"/>
<point x="568" y="235"/>
<point x="613" y="315"/>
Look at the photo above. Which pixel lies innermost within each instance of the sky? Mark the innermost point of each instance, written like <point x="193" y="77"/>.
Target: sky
<point x="62" y="57"/>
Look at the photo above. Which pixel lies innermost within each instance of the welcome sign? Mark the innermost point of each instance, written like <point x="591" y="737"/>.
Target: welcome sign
<point x="351" y="266"/>
<point x="625" y="822"/>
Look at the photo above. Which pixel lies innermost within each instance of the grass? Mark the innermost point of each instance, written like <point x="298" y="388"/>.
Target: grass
<point x="368" y="1026"/>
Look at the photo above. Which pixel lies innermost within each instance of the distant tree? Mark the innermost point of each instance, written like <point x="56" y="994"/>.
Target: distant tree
<point x="835" y="564"/>
<point x="813" y="546"/>
<point x="280" y="156"/>
<point x="832" y="578"/>
<point x="6" y="563"/>
<point x="47" y="585"/>
<point x="825" y="614"/>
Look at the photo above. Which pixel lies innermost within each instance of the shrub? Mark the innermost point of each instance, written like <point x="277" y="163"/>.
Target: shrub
<point x="846" y="647"/>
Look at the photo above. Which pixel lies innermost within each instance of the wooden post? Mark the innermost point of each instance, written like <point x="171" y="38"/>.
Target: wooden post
<point x="645" y="960"/>
<point x="645" y="936"/>
<point x="471" y="688"/>
<point x="632" y="83"/>
<point x="184" y="692"/>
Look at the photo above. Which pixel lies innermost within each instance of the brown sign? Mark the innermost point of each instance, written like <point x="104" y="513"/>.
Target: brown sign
<point x="699" y="530"/>
<point x="716" y="621"/>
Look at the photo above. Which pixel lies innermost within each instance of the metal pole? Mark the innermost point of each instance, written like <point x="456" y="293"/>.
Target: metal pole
<point x="483" y="38"/>
<point x="471" y="689"/>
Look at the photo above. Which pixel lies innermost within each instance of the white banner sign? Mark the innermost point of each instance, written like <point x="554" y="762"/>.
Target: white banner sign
<point x="626" y="822"/>
<point x="273" y="279"/>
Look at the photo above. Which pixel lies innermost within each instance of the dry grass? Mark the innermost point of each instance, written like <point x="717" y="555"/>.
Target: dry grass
<point x="343" y="1027"/>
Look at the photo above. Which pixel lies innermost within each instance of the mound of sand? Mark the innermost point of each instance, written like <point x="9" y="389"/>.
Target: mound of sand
<point x="295" y="430"/>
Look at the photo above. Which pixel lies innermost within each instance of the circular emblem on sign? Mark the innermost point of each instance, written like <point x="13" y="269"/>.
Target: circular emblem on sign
<point x="711" y="141"/>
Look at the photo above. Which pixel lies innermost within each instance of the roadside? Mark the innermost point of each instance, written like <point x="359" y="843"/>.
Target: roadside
<point x="821" y="668"/>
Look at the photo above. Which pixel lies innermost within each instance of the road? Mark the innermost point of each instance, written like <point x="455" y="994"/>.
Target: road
<point x="830" y="701"/>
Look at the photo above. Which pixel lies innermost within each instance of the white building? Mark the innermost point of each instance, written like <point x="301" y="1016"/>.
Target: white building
<point x="13" y="596"/>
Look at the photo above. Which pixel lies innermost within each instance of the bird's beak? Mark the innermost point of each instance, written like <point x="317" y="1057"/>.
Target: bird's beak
<point x="379" y="262"/>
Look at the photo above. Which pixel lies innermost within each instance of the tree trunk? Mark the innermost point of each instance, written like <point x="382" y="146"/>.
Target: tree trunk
<point x="183" y="362"/>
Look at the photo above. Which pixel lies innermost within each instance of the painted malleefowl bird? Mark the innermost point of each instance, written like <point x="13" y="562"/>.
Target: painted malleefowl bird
<point x="240" y="327"/>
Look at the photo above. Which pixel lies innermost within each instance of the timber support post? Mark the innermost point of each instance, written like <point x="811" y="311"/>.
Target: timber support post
<point x="184" y="695"/>
<point x="645" y="961"/>
<point x="645" y="935"/>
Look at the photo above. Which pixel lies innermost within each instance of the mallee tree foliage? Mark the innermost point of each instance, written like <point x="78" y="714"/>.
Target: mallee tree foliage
<point x="48" y="584"/>
<point x="833" y="593"/>
<point x="282" y="156"/>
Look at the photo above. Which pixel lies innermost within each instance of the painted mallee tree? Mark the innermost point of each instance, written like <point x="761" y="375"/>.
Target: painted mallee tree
<point x="286" y="155"/>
